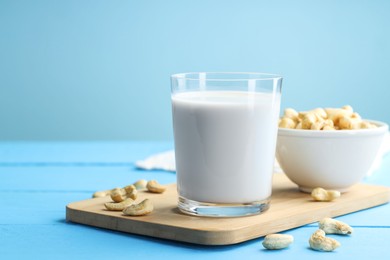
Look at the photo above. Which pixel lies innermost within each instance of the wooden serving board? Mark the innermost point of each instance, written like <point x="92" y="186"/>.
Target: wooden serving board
<point x="290" y="208"/>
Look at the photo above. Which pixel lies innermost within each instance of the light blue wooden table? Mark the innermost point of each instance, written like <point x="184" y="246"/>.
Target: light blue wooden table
<point x="38" y="179"/>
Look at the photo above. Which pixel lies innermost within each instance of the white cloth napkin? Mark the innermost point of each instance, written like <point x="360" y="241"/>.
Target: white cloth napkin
<point x="160" y="161"/>
<point x="166" y="160"/>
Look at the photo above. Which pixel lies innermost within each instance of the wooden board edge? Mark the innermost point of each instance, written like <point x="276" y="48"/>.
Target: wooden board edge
<point x="174" y="233"/>
<point x="221" y="237"/>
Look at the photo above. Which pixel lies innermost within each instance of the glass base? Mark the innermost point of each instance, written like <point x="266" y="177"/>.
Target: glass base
<point x="203" y="209"/>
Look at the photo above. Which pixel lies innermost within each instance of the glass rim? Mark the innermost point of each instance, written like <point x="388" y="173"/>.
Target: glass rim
<point x="258" y="76"/>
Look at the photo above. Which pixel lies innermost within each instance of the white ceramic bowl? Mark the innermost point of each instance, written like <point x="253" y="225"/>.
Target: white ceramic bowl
<point x="328" y="159"/>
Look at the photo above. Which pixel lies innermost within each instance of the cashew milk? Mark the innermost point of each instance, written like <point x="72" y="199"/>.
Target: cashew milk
<point x="225" y="145"/>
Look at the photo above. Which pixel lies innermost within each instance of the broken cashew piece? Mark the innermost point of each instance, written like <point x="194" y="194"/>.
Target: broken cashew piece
<point x="318" y="241"/>
<point x="155" y="187"/>
<point x="143" y="208"/>
<point x="277" y="241"/>
<point x="113" y="206"/>
<point x="332" y="226"/>
<point x="320" y="194"/>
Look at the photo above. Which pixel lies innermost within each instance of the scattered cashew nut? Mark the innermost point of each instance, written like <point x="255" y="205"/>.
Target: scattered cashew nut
<point x="118" y="195"/>
<point x="318" y="241"/>
<point x="100" y="194"/>
<point x="131" y="191"/>
<point x="118" y="206"/>
<point x="140" y="184"/>
<point x="155" y="187"/>
<point x="320" y="194"/>
<point x="332" y="226"/>
<point x="143" y="208"/>
<point x="277" y="241"/>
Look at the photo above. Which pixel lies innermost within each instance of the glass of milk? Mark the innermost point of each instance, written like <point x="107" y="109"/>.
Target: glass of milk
<point x="225" y="128"/>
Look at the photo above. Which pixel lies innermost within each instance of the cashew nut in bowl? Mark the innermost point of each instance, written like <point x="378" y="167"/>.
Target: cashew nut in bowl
<point x="324" y="119"/>
<point x="287" y="122"/>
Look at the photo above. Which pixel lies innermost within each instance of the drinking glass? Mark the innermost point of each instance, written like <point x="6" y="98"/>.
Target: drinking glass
<point x="225" y="128"/>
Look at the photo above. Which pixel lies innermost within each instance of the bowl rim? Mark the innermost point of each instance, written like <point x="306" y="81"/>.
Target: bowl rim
<point x="382" y="127"/>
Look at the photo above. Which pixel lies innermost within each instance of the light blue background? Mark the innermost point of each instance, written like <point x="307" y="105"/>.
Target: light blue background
<point x="89" y="70"/>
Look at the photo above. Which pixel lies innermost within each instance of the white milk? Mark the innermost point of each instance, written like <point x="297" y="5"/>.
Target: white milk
<point x="225" y="145"/>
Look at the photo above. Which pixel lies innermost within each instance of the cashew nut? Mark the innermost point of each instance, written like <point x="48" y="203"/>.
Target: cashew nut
<point x="324" y="119"/>
<point x="366" y="125"/>
<point x="140" y="184"/>
<point x="299" y="126"/>
<point x="131" y="191"/>
<point x="332" y="226"/>
<point x="291" y="113"/>
<point x="319" y="112"/>
<point x="327" y="127"/>
<point x="277" y="241"/>
<point x="321" y="124"/>
<point x="336" y="113"/>
<point x="356" y="115"/>
<point x="118" y="195"/>
<point x="348" y="107"/>
<point x="320" y="194"/>
<point x="104" y="193"/>
<point x="349" y="123"/>
<point x="100" y="194"/>
<point x="308" y="119"/>
<point x="318" y="241"/>
<point x="155" y="187"/>
<point x="118" y="206"/>
<point x="287" y="122"/>
<point x="143" y="208"/>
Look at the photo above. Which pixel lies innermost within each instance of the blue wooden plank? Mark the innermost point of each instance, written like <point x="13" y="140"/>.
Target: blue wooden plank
<point x="33" y="198"/>
<point x="33" y="208"/>
<point x="41" y="153"/>
<point x="87" y="179"/>
<point x="67" y="240"/>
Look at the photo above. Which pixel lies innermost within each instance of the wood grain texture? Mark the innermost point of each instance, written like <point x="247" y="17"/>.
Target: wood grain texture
<point x="290" y="208"/>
